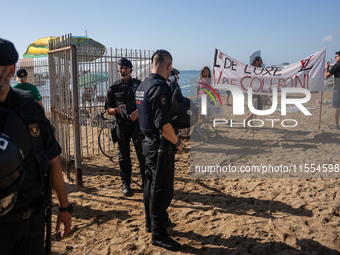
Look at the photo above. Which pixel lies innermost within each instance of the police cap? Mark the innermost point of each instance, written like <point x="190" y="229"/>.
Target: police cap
<point x="125" y="62"/>
<point x="8" y="54"/>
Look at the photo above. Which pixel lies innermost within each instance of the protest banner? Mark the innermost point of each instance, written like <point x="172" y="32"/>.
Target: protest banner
<point x="307" y="74"/>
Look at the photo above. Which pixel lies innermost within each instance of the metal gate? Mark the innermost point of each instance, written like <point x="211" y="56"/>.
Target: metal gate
<point x="79" y="78"/>
<point x="64" y="89"/>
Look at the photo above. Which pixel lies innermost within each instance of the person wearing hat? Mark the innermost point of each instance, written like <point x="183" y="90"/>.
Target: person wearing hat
<point x="22" y="227"/>
<point x="154" y="97"/>
<point x="120" y="101"/>
<point x="24" y="85"/>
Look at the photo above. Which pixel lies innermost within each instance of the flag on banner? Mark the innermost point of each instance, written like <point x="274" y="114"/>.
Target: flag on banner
<point x="307" y="74"/>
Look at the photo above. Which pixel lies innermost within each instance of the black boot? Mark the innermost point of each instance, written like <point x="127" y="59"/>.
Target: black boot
<point x="166" y="242"/>
<point x="126" y="191"/>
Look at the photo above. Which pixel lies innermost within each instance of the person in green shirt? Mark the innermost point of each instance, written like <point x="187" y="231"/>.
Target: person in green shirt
<point x="24" y="85"/>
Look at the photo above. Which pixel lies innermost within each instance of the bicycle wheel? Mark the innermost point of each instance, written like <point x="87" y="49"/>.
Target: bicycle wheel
<point x="107" y="147"/>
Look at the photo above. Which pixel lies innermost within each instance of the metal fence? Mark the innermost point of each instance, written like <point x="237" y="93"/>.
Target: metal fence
<point x="61" y="80"/>
<point x="37" y="70"/>
<point x="95" y="78"/>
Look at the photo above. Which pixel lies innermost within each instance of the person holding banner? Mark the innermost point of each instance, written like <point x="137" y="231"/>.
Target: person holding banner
<point x="257" y="62"/>
<point x="335" y="70"/>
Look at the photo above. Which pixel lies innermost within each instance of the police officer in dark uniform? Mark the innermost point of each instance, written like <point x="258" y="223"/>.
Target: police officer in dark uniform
<point x="22" y="228"/>
<point x="120" y="101"/>
<point x="153" y="98"/>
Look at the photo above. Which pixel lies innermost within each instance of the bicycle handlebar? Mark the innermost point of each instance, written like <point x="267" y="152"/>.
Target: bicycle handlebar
<point x="102" y="115"/>
<point x="124" y="115"/>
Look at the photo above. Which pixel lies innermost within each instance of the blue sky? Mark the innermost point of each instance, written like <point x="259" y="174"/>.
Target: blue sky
<point x="190" y="30"/>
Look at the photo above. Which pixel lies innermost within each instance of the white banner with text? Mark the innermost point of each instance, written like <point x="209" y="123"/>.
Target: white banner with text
<point x="306" y="74"/>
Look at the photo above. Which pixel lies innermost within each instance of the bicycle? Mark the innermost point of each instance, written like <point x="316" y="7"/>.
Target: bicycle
<point x="105" y="136"/>
<point x="106" y="145"/>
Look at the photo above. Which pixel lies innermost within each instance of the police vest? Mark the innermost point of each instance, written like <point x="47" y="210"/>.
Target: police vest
<point x="125" y="94"/>
<point x="146" y="118"/>
<point x="36" y="163"/>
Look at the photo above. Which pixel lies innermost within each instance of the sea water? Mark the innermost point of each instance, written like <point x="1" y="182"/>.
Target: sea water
<point x="187" y="81"/>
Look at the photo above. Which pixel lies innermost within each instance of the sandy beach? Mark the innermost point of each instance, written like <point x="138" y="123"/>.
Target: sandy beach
<point x="220" y="215"/>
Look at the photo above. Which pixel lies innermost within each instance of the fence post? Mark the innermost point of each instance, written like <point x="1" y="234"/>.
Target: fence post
<point x="76" y="125"/>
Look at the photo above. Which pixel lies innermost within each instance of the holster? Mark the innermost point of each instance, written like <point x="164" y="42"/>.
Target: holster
<point x="123" y="122"/>
<point x="114" y="135"/>
<point x="154" y="140"/>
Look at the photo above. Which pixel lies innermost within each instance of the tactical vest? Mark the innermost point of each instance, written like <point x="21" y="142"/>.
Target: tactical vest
<point x="146" y="118"/>
<point x="125" y="94"/>
<point x="36" y="163"/>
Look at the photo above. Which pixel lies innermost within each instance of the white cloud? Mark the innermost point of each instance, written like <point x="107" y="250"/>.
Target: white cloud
<point x="328" y="38"/>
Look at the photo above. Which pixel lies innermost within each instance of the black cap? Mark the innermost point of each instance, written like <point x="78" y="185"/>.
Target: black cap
<point x="8" y="53"/>
<point x="21" y="73"/>
<point x="124" y="62"/>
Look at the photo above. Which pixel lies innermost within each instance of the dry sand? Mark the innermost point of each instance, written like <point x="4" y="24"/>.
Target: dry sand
<point x="219" y="215"/>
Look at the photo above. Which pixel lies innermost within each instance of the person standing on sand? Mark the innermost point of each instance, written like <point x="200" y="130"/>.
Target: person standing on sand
<point x="121" y="98"/>
<point x="204" y="78"/>
<point x="153" y="98"/>
<point x="24" y="85"/>
<point x="257" y="62"/>
<point x="335" y="70"/>
<point x="22" y="227"/>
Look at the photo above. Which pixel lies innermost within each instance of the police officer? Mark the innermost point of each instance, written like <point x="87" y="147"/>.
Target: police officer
<point x="153" y="99"/>
<point x="120" y="101"/>
<point x="22" y="228"/>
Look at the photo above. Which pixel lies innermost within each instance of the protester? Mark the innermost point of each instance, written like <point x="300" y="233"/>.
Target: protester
<point x="257" y="62"/>
<point x="24" y="85"/>
<point x="153" y="104"/>
<point x="120" y="101"/>
<point x="335" y="70"/>
<point x="227" y="98"/>
<point x="204" y="79"/>
<point x="22" y="228"/>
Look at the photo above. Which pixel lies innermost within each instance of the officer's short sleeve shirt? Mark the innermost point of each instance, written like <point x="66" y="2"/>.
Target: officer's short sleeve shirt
<point x="50" y="144"/>
<point x="110" y="100"/>
<point x="159" y="98"/>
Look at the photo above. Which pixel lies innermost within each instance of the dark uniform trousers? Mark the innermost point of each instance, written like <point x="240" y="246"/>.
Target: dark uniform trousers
<point x="124" y="133"/>
<point x="165" y="187"/>
<point x="24" y="237"/>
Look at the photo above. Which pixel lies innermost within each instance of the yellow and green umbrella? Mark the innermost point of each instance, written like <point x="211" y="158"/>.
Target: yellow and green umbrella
<point x="84" y="44"/>
<point x="38" y="48"/>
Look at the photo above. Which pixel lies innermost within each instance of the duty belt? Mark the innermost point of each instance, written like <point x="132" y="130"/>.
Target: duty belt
<point x="13" y="217"/>
<point x="124" y="122"/>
